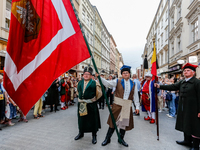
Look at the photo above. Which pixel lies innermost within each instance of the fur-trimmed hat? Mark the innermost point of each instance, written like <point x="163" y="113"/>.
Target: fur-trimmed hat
<point x="88" y="69"/>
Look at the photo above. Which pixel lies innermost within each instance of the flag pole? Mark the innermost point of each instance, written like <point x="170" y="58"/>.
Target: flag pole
<point x="95" y="67"/>
<point x="156" y="97"/>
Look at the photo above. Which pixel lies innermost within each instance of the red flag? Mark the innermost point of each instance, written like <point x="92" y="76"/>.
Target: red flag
<point x="45" y="40"/>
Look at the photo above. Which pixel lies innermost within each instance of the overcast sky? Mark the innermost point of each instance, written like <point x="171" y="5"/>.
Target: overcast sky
<point x="129" y="22"/>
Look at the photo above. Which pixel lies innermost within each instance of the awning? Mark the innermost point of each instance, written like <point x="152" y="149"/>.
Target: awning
<point x="3" y="53"/>
<point x="173" y="71"/>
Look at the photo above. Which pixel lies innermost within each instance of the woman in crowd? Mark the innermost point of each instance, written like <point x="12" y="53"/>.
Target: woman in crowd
<point x="172" y="109"/>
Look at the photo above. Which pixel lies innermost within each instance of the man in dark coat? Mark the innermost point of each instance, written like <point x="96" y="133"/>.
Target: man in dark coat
<point x="53" y="95"/>
<point x="89" y="91"/>
<point x="188" y="116"/>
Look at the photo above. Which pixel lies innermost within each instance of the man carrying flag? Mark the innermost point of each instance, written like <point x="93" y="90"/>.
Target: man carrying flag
<point x="148" y="100"/>
<point x="126" y="91"/>
<point x="48" y="34"/>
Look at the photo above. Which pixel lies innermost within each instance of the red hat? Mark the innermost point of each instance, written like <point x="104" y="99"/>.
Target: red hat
<point x="190" y="66"/>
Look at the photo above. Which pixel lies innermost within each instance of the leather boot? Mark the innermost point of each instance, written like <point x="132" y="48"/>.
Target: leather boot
<point x="195" y="145"/>
<point x="187" y="140"/>
<point x="108" y="136"/>
<point x="122" y="133"/>
<point x="94" y="138"/>
<point x="79" y="136"/>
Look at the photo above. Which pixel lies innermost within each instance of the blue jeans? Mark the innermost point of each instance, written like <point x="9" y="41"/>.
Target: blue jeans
<point x="13" y="111"/>
<point x="172" y="108"/>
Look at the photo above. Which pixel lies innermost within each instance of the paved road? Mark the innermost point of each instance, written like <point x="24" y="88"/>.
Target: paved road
<point x="56" y="131"/>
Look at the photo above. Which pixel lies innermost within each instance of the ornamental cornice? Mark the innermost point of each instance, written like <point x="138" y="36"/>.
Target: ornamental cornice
<point x="178" y="29"/>
<point x="178" y="2"/>
<point x="193" y="4"/>
<point x="193" y="14"/>
<point x="193" y="44"/>
<point x="172" y="34"/>
<point x="179" y="21"/>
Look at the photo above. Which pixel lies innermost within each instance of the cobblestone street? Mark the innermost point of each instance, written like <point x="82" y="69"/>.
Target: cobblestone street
<point x="56" y="131"/>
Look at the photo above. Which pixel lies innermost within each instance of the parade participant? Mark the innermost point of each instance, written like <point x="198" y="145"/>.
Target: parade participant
<point x="147" y="100"/>
<point x="110" y="91"/>
<point x="102" y="98"/>
<point x="89" y="91"/>
<point x="188" y="116"/>
<point x="126" y="91"/>
<point x="71" y="90"/>
<point x="38" y="109"/>
<point x="135" y="80"/>
<point x="70" y="94"/>
<point x="64" y="92"/>
<point x="53" y="96"/>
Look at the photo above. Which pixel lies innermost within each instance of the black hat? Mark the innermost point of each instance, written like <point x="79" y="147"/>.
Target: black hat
<point x="88" y="69"/>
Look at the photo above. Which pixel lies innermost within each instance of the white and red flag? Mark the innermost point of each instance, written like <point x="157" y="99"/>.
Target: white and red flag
<point x="45" y="40"/>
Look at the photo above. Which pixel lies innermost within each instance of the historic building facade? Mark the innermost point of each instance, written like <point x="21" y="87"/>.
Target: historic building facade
<point x="5" y="11"/>
<point x="175" y="27"/>
<point x="112" y="54"/>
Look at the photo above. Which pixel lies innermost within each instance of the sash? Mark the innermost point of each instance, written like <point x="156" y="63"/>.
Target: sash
<point x="124" y="116"/>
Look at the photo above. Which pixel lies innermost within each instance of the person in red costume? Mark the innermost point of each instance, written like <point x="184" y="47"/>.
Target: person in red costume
<point x="146" y="101"/>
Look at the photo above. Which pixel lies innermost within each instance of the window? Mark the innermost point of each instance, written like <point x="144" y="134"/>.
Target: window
<point x="166" y="56"/>
<point x="166" y="15"/>
<point x="158" y="29"/>
<point x="8" y="5"/>
<point x="162" y="23"/>
<point x="91" y="24"/>
<point x="166" y="33"/>
<point x="162" y="39"/>
<point x="195" y="31"/>
<point x="88" y="37"/>
<point x="8" y="14"/>
<point x="172" y="22"/>
<point x="161" y="62"/>
<point x="91" y="40"/>
<point x="83" y="15"/>
<point x="178" y="44"/>
<point x="158" y="44"/>
<point x="87" y="21"/>
<point x="172" y="49"/>
<point x="179" y="13"/>
<point x="7" y="24"/>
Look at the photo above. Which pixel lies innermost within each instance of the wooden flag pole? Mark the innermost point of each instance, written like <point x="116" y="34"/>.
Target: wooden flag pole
<point x="156" y="99"/>
<point x="95" y="67"/>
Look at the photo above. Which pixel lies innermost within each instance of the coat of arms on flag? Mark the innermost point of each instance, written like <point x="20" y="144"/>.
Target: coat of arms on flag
<point x="45" y="40"/>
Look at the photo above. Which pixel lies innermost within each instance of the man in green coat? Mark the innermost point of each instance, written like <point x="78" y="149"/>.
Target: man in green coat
<point x="89" y="91"/>
<point x="188" y="115"/>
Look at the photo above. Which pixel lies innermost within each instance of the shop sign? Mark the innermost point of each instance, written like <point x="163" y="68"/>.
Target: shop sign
<point x="177" y="67"/>
<point x="193" y="59"/>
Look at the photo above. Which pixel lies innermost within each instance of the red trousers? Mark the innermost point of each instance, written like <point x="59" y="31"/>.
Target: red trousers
<point x="146" y="102"/>
<point x="63" y="98"/>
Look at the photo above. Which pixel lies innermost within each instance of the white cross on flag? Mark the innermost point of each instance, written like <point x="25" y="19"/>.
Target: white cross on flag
<point x="45" y="41"/>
